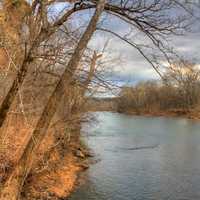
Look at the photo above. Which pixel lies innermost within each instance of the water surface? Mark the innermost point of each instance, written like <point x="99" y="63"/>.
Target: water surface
<point x="142" y="158"/>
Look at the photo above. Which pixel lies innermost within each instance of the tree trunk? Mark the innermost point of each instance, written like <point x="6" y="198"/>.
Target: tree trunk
<point x="16" y="16"/>
<point x="12" y="187"/>
<point x="91" y="72"/>
<point x="11" y="29"/>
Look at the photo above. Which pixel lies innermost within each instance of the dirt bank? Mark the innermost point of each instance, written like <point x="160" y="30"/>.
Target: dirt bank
<point x="56" y="170"/>
<point x="58" y="175"/>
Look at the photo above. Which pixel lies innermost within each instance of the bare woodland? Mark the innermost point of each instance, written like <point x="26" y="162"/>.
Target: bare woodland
<point x="47" y="67"/>
<point x="178" y="92"/>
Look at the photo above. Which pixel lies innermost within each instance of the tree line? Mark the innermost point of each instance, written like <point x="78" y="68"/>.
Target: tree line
<point x="179" y="91"/>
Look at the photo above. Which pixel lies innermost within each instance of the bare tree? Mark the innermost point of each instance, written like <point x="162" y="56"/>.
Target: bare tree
<point x="185" y="76"/>
<point x="148" y="17"/>
<point x="179" y="92"/>
<point x="34" y="48"/>
<point x="15" y="182"/>
<point x="34" y="19"/>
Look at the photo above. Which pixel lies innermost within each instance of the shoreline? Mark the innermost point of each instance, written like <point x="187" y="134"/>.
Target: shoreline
<point x="178" y="114"/>
<point x="62" y="178"/>
<point x="84" y="158"/>
<point x="187" y="115"/>
<point x="60" y="182"/>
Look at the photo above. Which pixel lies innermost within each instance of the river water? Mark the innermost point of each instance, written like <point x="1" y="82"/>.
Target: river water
<point x="142" y="158"/>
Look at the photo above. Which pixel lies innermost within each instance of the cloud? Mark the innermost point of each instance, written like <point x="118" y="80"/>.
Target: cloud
<point x="188" y="45"/>
<point x="134" y="67"/>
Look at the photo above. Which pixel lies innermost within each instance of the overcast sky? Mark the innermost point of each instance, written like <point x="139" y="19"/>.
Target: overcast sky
<point x="132" y="67"/>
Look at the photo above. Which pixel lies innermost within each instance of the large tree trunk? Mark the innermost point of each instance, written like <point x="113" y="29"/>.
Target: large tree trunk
<point x="16" y="16"/>
<point x="12" y="187"/>
<point x="12" y="50"/>
<point x="11" y="29"/>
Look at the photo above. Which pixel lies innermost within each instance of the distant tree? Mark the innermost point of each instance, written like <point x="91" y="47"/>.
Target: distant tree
<point x="179" y="90"/>
<point x="186" y="77"/>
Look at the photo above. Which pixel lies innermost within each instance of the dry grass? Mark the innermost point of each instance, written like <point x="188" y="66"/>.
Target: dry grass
<point x="54" y="173"/>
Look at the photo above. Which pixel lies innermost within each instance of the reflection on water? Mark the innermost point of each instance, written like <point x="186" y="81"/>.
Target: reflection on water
<point x="142" y="158"/>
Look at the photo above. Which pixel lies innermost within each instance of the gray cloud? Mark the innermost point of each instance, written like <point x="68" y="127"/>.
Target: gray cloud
<point x="134" y="67"/>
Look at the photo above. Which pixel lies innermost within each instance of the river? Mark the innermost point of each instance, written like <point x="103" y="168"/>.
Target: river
<point x="142" y="158"/>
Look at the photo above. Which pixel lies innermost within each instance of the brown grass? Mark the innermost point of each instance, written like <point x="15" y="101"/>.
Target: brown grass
<point x="54" y="173"/>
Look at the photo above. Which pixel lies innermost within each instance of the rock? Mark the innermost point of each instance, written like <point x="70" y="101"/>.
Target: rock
<point x="80" y="154"/>
<point x="84" y="166"/>
<point x="89" y="154"/>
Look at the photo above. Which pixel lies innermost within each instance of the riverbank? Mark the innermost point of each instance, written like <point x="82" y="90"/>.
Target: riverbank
<point x="189" y="114"/>
<point x="60" y="177"/>
<point x="111" y="105"/>
<point x="58" y="162"/>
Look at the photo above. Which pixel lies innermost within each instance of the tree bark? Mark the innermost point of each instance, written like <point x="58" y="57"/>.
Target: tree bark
<point x="11" y="189"/>
<point x="11" y="37"/>
<point x="23" y="62"/>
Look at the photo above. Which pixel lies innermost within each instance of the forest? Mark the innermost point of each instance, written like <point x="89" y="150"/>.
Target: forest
<point x="48" y="69"/>
<point x="178" y="93"/>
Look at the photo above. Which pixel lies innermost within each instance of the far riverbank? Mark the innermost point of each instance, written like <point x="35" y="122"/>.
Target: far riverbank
<point x="111" y="105"/>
